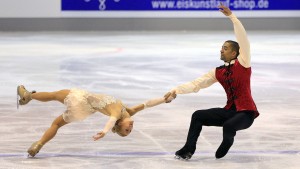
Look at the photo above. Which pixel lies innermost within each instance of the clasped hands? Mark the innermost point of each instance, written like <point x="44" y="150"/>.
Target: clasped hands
<point x="170" y="96"/>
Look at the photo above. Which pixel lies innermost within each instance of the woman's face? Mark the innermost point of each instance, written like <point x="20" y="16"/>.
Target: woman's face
<point x="126" y="126"/>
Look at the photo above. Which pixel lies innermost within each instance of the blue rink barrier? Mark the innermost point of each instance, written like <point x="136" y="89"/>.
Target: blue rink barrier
<point x="177" y="5"/>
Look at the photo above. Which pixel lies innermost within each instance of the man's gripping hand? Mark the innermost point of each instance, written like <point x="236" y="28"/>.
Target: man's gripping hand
<point x="224" y="9"/>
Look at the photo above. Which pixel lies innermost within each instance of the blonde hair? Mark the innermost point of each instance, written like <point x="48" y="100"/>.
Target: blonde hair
<point x="117" y="129"/>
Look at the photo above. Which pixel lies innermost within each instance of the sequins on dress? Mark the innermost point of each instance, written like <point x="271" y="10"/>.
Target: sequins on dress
<point x="80" y="104"/>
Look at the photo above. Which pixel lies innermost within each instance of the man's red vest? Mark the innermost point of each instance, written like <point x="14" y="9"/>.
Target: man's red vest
<point x="235" y="79"/>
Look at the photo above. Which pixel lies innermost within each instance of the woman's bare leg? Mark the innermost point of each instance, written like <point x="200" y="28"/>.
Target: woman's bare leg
<point x="51" y="96"/>
<point x="51" y="132"/>
<point x="59" y="121"/>
<point x="48" y="135"/>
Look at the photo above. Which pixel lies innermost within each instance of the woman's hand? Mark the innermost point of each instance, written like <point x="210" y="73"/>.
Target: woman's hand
<point x="99" y="135"/>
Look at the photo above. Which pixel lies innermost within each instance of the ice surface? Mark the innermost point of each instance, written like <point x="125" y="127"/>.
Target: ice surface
<point x="134" y="67"/>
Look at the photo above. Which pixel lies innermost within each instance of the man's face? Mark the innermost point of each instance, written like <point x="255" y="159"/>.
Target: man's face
<point x="226" y="52"/>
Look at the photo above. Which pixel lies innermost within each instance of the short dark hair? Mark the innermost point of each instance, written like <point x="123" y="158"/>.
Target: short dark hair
<point x="235" y="47"/>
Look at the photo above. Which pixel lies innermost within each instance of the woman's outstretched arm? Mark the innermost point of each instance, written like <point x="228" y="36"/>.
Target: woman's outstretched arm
<point x="150" y="103"/>
<point x="110" y="123"/>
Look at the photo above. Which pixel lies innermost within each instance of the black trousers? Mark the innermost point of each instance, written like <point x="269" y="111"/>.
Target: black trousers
<point x="230" y="120"/>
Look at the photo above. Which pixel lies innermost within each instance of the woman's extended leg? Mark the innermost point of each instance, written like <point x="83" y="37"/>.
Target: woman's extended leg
<point x="26" y="96"/>
<point x="51" y="96"/>
<point x="48" y="135"/>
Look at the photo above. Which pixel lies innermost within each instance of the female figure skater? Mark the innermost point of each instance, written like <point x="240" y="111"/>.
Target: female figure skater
<point x="80" y="104"/>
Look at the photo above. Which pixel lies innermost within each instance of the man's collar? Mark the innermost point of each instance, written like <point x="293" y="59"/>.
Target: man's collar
<point x="230" y="62"/>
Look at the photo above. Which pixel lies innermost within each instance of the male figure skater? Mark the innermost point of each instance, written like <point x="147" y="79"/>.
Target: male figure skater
<point x="240" y="110"/>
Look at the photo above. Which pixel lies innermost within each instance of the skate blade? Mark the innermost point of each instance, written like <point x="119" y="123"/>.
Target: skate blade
<point x="177" y="157"/>
<point x="18" y="97"/>
<point x="29" y="155"/>
<point x="180" y="158"/>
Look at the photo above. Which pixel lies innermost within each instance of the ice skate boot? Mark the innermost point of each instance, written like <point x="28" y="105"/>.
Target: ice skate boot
<point x="184" y="154"/>
<point x="224" y="148"/>
<point x="34" y="149"/>
<point x="23" y="96"/>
